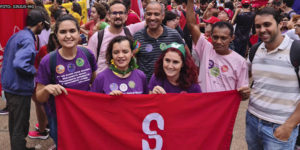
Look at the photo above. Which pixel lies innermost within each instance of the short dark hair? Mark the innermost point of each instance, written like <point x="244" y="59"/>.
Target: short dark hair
<point x="204" y="1"/>
<point x="64" y="18"/>
<point x="169" y="16"/>
<point x="288" y="3"/>
<point x="222" y="24"/>
<point x="127" y="4"/>
<point x="101" y="10"/>
<point x="229" y="5"/>
<point x="269" y="11"/>
<point x="37" y="15"/>
<point x="117" y="39"/>
<point x="76" y="8"/>
<point x="116" y="2"/>
<point x="179" y="2"/>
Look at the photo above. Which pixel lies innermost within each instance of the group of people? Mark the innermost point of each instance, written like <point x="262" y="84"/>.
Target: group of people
<point x="182" y="49"/>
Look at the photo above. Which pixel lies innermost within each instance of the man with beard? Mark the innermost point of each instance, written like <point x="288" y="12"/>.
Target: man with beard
<point x="17" y="76"/>
<point x="274" y="112"/>
<point x="154" y="38"/>
<point x="117" y="15"/>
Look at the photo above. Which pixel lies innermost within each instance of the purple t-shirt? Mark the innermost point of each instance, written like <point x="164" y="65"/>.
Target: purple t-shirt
<point x="107" y="81"/>
<point x="169" y="88"/>
<point x="74" y="74"/>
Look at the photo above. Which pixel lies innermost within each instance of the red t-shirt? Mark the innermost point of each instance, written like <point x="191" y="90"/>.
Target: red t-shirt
<point x="89" y="26"/>
<point x="132" y="18"/>
<point x="43" y="52"/>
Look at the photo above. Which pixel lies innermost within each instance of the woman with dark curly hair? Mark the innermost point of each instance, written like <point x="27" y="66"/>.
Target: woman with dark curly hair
<point x="121" y="76"/>
<point x="175" y="72"/>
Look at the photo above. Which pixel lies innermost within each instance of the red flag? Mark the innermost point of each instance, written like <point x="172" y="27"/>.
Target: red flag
<point x="89" y="120"/>
<point x="136" y="6"/>
<point x="12" y="20"/>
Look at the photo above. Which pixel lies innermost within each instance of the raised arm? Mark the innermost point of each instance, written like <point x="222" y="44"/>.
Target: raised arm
<point x="191" y="21"/>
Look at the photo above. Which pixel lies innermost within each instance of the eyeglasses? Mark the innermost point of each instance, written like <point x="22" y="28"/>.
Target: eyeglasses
<point x="115" y="13"/>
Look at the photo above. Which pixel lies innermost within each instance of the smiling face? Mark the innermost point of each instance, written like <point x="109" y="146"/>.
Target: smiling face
<point x="172" y="65"/>
<point x="122" y="54"/>
<point x="221" y="39"/>
<point x="67" y="34"/>
<point x="117" y="15"/>
<point x="154" y="16"/>
<point x="267" y="28"/>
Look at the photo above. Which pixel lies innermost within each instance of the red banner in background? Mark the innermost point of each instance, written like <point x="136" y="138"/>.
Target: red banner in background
<point x="89" y="120"/>
<point x="12" y="20"/>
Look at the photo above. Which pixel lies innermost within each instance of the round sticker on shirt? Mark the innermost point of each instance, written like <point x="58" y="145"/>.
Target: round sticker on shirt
<point x="211" y="64"/>
<point x="71" y="67"/>
<point x="123" y="87"/>
<point x="215" y="71"/>
<point x="79" y="62"/>
<point x="224" y="68"/>
<point x="163" y="46"/>
<point x="149" y="48"/>
<point x="113" y="86"/>
<point x="60" y="69"/>
<point x="131" y="84"/>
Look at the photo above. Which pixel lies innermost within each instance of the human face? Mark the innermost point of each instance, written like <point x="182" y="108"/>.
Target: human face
<point x="223" y="16"/>
<point x="39" y="28"/>
<point x="203" y="6"/>
<point x="171" y="23"/>
<point x="154" y="16"/>
<point x="172" y="65"/>
<point x="297" y="27"/>
<point x="221" y="39"/>
<point x="67" y="34"/>
<point x="117" y="15"/>
<point x="267" y="28"/>
<point x="94" y="14"/>
<point x="122" y="54"/>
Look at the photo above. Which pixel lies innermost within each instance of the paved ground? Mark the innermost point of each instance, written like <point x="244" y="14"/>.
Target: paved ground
<point x="238" y="142"/>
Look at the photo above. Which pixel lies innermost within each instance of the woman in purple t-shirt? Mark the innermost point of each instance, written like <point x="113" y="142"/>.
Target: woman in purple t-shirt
<point x="121" y="77"/>
<point x="67" y="67"/>
<point x="175" y="72"/>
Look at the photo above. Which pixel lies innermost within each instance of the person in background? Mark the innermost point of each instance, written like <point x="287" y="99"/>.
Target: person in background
<point x="122" y="76"/>
<point x="244" y="20"/>
<point x="171" y="20"/>
<point x="17" y="76"/>
<point x="175" y="72"/>
<point x="284" y="23"/>
<point x="132" y="16"/>
<point x="98" y="14"/>
<point x="286" y="7"/>
<point x="76" y="8"/>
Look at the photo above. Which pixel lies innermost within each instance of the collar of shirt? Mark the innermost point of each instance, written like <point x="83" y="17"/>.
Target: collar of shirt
<point x="30" y="32"/>
<point x="164" y="34"/>
<point x="283" y="45"/>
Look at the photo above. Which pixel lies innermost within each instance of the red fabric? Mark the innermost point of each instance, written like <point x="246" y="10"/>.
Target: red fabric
<point x="12" y="21"/>
<point x="89" y="120"/>
<point x="253" y="39"/>
<point x="132" y="18"/>
<point x="42" y="52"/>
<point x="182" y="20"/>
<point x="89" y="26"/>
<point x="136" y="6"/>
